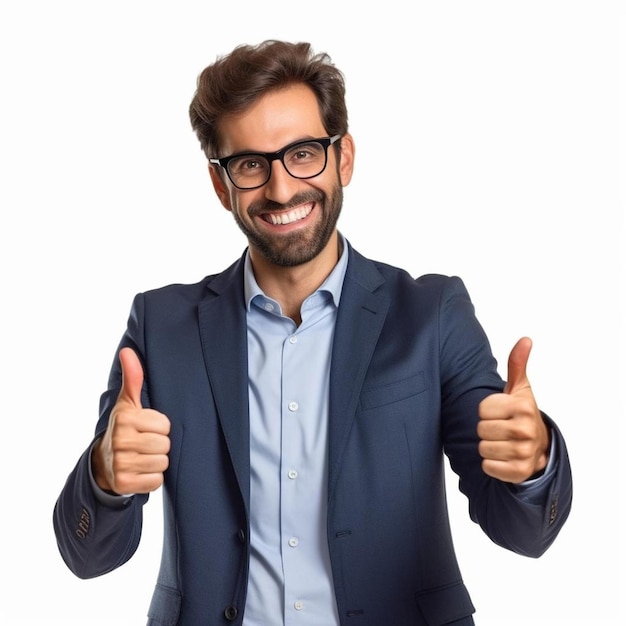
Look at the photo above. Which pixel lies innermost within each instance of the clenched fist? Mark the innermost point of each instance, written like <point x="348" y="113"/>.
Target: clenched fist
<point x="514" y="438"/>
<point x="133" y="452"/>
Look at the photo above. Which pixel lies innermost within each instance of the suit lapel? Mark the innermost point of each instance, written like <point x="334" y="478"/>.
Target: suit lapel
<point x="222" y="319"/>
<point x="362" y="311"/>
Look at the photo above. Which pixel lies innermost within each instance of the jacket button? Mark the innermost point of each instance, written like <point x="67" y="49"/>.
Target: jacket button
<point x="241" y="535"/>
<point x="230" y="613"/>
<point x="553" y="511"/>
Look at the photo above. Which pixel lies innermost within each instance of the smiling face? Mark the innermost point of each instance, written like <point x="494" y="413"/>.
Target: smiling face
<point x="287" y="221"/>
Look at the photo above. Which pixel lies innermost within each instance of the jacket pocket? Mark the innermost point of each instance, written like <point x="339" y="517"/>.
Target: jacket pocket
<point x="380" y="395"/>
<point x="446" y="605"/>
<point x="165" y="606"/>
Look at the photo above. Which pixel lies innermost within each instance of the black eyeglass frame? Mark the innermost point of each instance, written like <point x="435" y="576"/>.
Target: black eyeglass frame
<point x="279" y="155"/>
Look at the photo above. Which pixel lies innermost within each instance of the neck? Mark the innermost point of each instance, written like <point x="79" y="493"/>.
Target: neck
<point x="290" y="286"/>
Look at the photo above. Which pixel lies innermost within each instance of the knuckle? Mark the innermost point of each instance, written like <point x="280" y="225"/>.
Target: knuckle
<point x="483" y="449"/>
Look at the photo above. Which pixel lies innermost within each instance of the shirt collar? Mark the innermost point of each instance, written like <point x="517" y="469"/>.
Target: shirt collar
<point x="332" y="284"/>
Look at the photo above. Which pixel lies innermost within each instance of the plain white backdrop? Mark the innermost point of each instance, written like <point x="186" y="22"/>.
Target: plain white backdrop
<point x="489" y="138"/>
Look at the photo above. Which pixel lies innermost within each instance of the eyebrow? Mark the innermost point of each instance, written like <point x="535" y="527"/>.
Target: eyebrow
<point x="291" y="143"/>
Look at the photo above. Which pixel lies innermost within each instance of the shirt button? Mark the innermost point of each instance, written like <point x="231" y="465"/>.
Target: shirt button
<point x="298" y="605"/>
<point x="293" y="542"/>
<point x="293" y="406"/>
<point x="292" y="474"/>
<point x="268" y="306"/>
<point x="293" y="339"/>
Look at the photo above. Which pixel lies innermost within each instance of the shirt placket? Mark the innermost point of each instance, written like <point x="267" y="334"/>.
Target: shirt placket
<point x="290" y="477"/>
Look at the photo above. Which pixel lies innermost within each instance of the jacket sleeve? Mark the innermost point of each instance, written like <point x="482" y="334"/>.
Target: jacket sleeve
<point x="95" y="533"/>
<point x="469" y="373"/>
<point x="93" y="537"/>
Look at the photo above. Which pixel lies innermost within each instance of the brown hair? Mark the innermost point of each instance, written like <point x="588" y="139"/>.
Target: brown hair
<point x="235" y="81"/>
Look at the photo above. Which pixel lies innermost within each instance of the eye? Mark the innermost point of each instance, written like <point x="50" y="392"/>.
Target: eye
<point x="248" y="165"/>
<point x="301" y="153"/>
<point x="305" y="153"/>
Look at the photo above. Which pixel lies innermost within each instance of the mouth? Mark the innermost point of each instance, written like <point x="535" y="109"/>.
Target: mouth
<point x="288" y="217"/>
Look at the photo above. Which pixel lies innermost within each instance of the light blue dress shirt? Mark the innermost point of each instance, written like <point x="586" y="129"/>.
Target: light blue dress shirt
<point x="290" y="579"/>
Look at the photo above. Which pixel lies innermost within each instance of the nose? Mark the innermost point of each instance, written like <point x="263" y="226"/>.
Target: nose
<point x="281" y="186"/>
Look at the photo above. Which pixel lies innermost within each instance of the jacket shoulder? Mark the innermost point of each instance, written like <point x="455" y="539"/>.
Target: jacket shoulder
<point x="433" y="282"/>
<point x="194" y="292"/>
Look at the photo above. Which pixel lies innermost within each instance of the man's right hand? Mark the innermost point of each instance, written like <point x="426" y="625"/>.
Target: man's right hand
<point x="133" y="452"/>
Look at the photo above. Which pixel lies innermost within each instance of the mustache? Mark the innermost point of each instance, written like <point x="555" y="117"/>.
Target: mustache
<point x="269" y="206"/>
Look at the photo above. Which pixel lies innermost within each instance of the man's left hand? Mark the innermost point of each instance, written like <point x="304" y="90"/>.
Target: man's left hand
<point x="514" y="439"/>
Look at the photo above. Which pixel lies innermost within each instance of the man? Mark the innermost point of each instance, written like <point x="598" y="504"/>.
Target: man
<point x="297" y="406"/>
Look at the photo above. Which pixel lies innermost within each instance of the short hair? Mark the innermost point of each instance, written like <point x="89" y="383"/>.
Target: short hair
<point x="237" y="80"/>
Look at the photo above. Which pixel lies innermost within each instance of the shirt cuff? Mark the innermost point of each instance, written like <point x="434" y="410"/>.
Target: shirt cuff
<point x="534" y="490"/>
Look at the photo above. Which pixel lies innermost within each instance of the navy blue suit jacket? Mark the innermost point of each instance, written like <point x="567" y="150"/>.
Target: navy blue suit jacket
<point x="410" y="364"/>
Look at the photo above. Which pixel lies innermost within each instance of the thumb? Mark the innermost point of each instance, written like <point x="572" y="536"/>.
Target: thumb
<point x="518" y="360"/>
<point x="132" y="376"/>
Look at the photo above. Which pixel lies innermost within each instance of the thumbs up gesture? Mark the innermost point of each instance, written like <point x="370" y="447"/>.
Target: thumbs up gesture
<point x="132" y="454"/>
<point x="514" y="439"/>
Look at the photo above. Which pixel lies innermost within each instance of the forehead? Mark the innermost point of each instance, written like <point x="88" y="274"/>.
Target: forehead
<point x="277" y="118"/>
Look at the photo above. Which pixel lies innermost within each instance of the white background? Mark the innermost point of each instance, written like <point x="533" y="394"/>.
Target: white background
<point x="488" y="145"/>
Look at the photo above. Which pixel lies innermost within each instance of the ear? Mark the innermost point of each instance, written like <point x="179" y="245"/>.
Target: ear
<point x="346" y="164"/>
<point x="220" y="187"/>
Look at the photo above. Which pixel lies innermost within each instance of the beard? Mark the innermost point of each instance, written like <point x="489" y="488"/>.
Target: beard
<point x="296" y="248"/>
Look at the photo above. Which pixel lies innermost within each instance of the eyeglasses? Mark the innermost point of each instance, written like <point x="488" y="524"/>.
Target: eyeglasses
<point x="302" y="159"/>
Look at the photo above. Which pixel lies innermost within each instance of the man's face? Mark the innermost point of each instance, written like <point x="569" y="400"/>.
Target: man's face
<point x="288" y="221"/>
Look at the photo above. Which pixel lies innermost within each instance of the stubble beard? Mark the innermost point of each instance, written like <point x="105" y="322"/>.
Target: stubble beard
<point x="298" y="247"/>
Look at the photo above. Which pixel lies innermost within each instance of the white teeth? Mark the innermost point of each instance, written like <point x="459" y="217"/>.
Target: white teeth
<point x="290" y="216"/>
